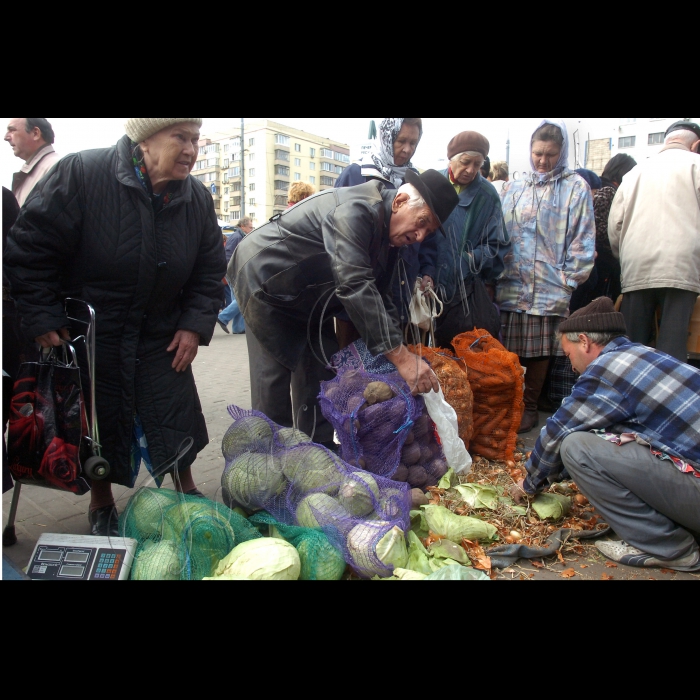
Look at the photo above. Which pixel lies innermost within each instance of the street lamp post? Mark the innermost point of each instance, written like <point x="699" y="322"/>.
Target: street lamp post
<point x="242" y="168"/>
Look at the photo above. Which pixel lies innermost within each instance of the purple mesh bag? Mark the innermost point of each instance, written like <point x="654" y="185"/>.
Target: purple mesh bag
<point x="281" y="471"/>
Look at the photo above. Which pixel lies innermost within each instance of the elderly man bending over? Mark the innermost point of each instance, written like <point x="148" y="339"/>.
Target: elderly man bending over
<point x="334" y="251"/>
<point x="629" y="436"/>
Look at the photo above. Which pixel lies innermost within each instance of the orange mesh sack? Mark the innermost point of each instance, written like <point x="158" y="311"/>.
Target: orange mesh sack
<point x="496" y="379"/>
<point x="451" y="372"/>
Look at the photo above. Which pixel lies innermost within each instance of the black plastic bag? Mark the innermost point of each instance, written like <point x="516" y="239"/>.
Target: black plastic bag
<point x="47" y="424"/>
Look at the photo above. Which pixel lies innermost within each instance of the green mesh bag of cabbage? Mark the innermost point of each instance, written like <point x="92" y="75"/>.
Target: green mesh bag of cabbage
<point x="320" y="560"/>
<point x="181" y="538"/>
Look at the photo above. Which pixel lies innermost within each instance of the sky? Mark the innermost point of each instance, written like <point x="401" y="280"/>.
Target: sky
<point x="76" y="134"/>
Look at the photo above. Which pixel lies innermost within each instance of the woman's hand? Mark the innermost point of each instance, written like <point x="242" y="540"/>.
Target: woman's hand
<point x="54" y="339"/>
<point x="418" y="374"/>
<point x="187" y="345"/>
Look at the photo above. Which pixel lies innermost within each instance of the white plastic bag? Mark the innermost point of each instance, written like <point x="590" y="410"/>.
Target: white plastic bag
<point x="445" y="419"/>
<point x="424" y="307"/>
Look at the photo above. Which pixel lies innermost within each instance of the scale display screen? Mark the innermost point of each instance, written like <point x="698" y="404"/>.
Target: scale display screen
<point x="77" y="558"/>
<point x="50" y="556"/>
<point x="72" y="571"/>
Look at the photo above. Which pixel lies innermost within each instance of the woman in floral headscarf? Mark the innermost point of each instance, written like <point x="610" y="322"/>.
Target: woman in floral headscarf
<point x="388" y="162"/>
<point x="549" y="218"/>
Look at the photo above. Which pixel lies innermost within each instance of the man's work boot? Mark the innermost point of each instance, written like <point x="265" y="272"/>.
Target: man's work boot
<point x="535" y="378"/>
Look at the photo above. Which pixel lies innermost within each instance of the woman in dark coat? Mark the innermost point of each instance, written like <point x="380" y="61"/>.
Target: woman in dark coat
<point x="127" y="230"/>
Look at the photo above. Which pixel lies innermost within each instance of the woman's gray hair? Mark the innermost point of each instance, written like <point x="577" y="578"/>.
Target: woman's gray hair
<point x="601" y="339"/>
<point x="470" y="154"/>
<point x="415" y="201"/>
<point x="686" y="137"/>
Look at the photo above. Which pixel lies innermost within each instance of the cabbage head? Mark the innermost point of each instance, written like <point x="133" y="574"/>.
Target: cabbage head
<point x="311" y="469"/>
<point x="143" y="516"/>
<point x="248" y="434"/>
<point x="291" y="437"/>
<point x="158" y="561"/>
<point x="253" y="480"/>
<point x="358" y="494"/>
<point x="265" y="559"/>
<point x="320" y="560"/>
<point x="320" y="510"/>
<point x="375" y="547"/>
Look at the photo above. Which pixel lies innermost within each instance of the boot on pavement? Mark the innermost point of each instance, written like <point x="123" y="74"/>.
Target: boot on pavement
<point x="534" y="381"/>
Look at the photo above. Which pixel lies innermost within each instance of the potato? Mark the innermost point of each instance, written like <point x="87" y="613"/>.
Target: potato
<point x="401" y="474"/>
<point x="426" y="455"/>
<point x="417" y="477"/>
<point x="438" y="468"/>
<point x="378" y="392"/>
<point x="411" y="455"/>
<point x="410" y="438"/>
<point x="418" y="499"/>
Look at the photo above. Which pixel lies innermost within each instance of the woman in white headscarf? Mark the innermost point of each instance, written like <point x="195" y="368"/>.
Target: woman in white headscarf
<point x="549" y="218"/>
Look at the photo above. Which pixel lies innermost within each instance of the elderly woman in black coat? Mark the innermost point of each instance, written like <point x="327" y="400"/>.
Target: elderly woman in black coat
<point x="127" y="230"/>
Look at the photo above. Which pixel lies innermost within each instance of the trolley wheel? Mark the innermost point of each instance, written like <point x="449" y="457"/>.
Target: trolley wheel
<point x="97" y="468"/>
<point x="9" y="536"/>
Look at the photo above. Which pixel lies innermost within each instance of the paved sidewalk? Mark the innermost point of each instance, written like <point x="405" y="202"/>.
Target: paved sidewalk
<point x="222" y="376"/>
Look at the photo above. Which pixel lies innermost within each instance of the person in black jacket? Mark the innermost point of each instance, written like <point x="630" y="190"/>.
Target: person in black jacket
<point x="127" y="230"/>
<point x="332" y="252"/>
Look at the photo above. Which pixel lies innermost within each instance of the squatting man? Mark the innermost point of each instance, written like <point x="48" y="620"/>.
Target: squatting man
<point x="629" y="436"/>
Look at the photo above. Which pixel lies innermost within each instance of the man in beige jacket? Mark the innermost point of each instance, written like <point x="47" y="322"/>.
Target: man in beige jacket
<point x="654" y="230"/>
<point x="32" y="140"/>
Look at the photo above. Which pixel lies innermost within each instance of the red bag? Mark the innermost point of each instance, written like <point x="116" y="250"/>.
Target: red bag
<point x="47" y="424"/>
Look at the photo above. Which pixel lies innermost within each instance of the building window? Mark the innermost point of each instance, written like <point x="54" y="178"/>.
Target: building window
<point x="212" y="148"/>
<point x="252" y="187"/>
<point x="280" y="200"/>
<point x="327" y="167"/>
<point x="251" y="172"/>
<point x="236" y="187"/>
<point x="202" y="150"/>
<point x="627" y="142"/>
<point x="251" y="142"/>
<point x="282" y="170"/>
<point x="226" y="162"/>
<point x="313" y="152"/>
<point x="297" y="162"/>
<point x="655" y="139"/>
<point x="234" y="172"/>
<point x="281" y="155"/>
<point x="251" y="157"/>
<point x="235" y="215"/>
<point x="226" y="190"/>
<point x="251" y="201"/>
<point x="339" y="169"/>
<point x="297" y="176"/>
<point x="312" y="180"/>
<point x="312" y="166"/>
<point x="282" y="140"/>
<point x="297" y="147"/>
<point x="236" y="144"/>
<point x="327" y="180"/>
<point x="225" y="148"/>
<point x="236" y="202"/>
<point x="341" y="157"/>
<point x="281" y="185"/>
<point x="326" y="153"/>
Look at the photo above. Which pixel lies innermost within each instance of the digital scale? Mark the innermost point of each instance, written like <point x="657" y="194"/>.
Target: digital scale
<point x="81" y="558"/>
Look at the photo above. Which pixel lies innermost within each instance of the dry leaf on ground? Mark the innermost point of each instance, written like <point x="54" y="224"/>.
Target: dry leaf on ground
<point x="610" y="565"/>
<point x="569" y="573"/>
<point x="606" y="577"/>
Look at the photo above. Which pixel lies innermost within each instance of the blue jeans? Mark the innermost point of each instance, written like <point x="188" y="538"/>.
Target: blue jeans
<point x="228" y="296"/>
<point x="233" y="313"/>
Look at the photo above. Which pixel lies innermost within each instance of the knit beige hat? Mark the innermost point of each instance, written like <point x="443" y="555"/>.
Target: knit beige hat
<point x="139" y="130"/>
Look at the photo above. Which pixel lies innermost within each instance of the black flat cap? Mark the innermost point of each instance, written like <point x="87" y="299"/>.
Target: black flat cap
<point x="437" y="191"/>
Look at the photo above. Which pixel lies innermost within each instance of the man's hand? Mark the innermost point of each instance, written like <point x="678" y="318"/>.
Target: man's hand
<point x="53" y="339"/>
<point x="427" y="284"/>
<point x="187" y="345"/>
<point x="417" y="373"/>
<point x="519" y="494"/>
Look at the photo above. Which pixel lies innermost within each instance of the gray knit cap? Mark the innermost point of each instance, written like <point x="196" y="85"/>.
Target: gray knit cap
<point x="598" y="317"/>
<point x="138" y="129"/>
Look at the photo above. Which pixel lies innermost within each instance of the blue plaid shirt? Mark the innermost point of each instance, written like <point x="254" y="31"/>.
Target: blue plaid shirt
<point x="629" y="388"/>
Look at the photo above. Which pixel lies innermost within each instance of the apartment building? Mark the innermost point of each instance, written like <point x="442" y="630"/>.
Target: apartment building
<point x="640" y="138"/>
<point x="271" y="157"/>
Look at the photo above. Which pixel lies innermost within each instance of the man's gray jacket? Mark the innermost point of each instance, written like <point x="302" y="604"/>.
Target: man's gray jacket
<point x="328" y="253"/>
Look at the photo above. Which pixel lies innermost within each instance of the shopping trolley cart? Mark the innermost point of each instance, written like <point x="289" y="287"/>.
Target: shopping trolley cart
<point x="81" y="353"/>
